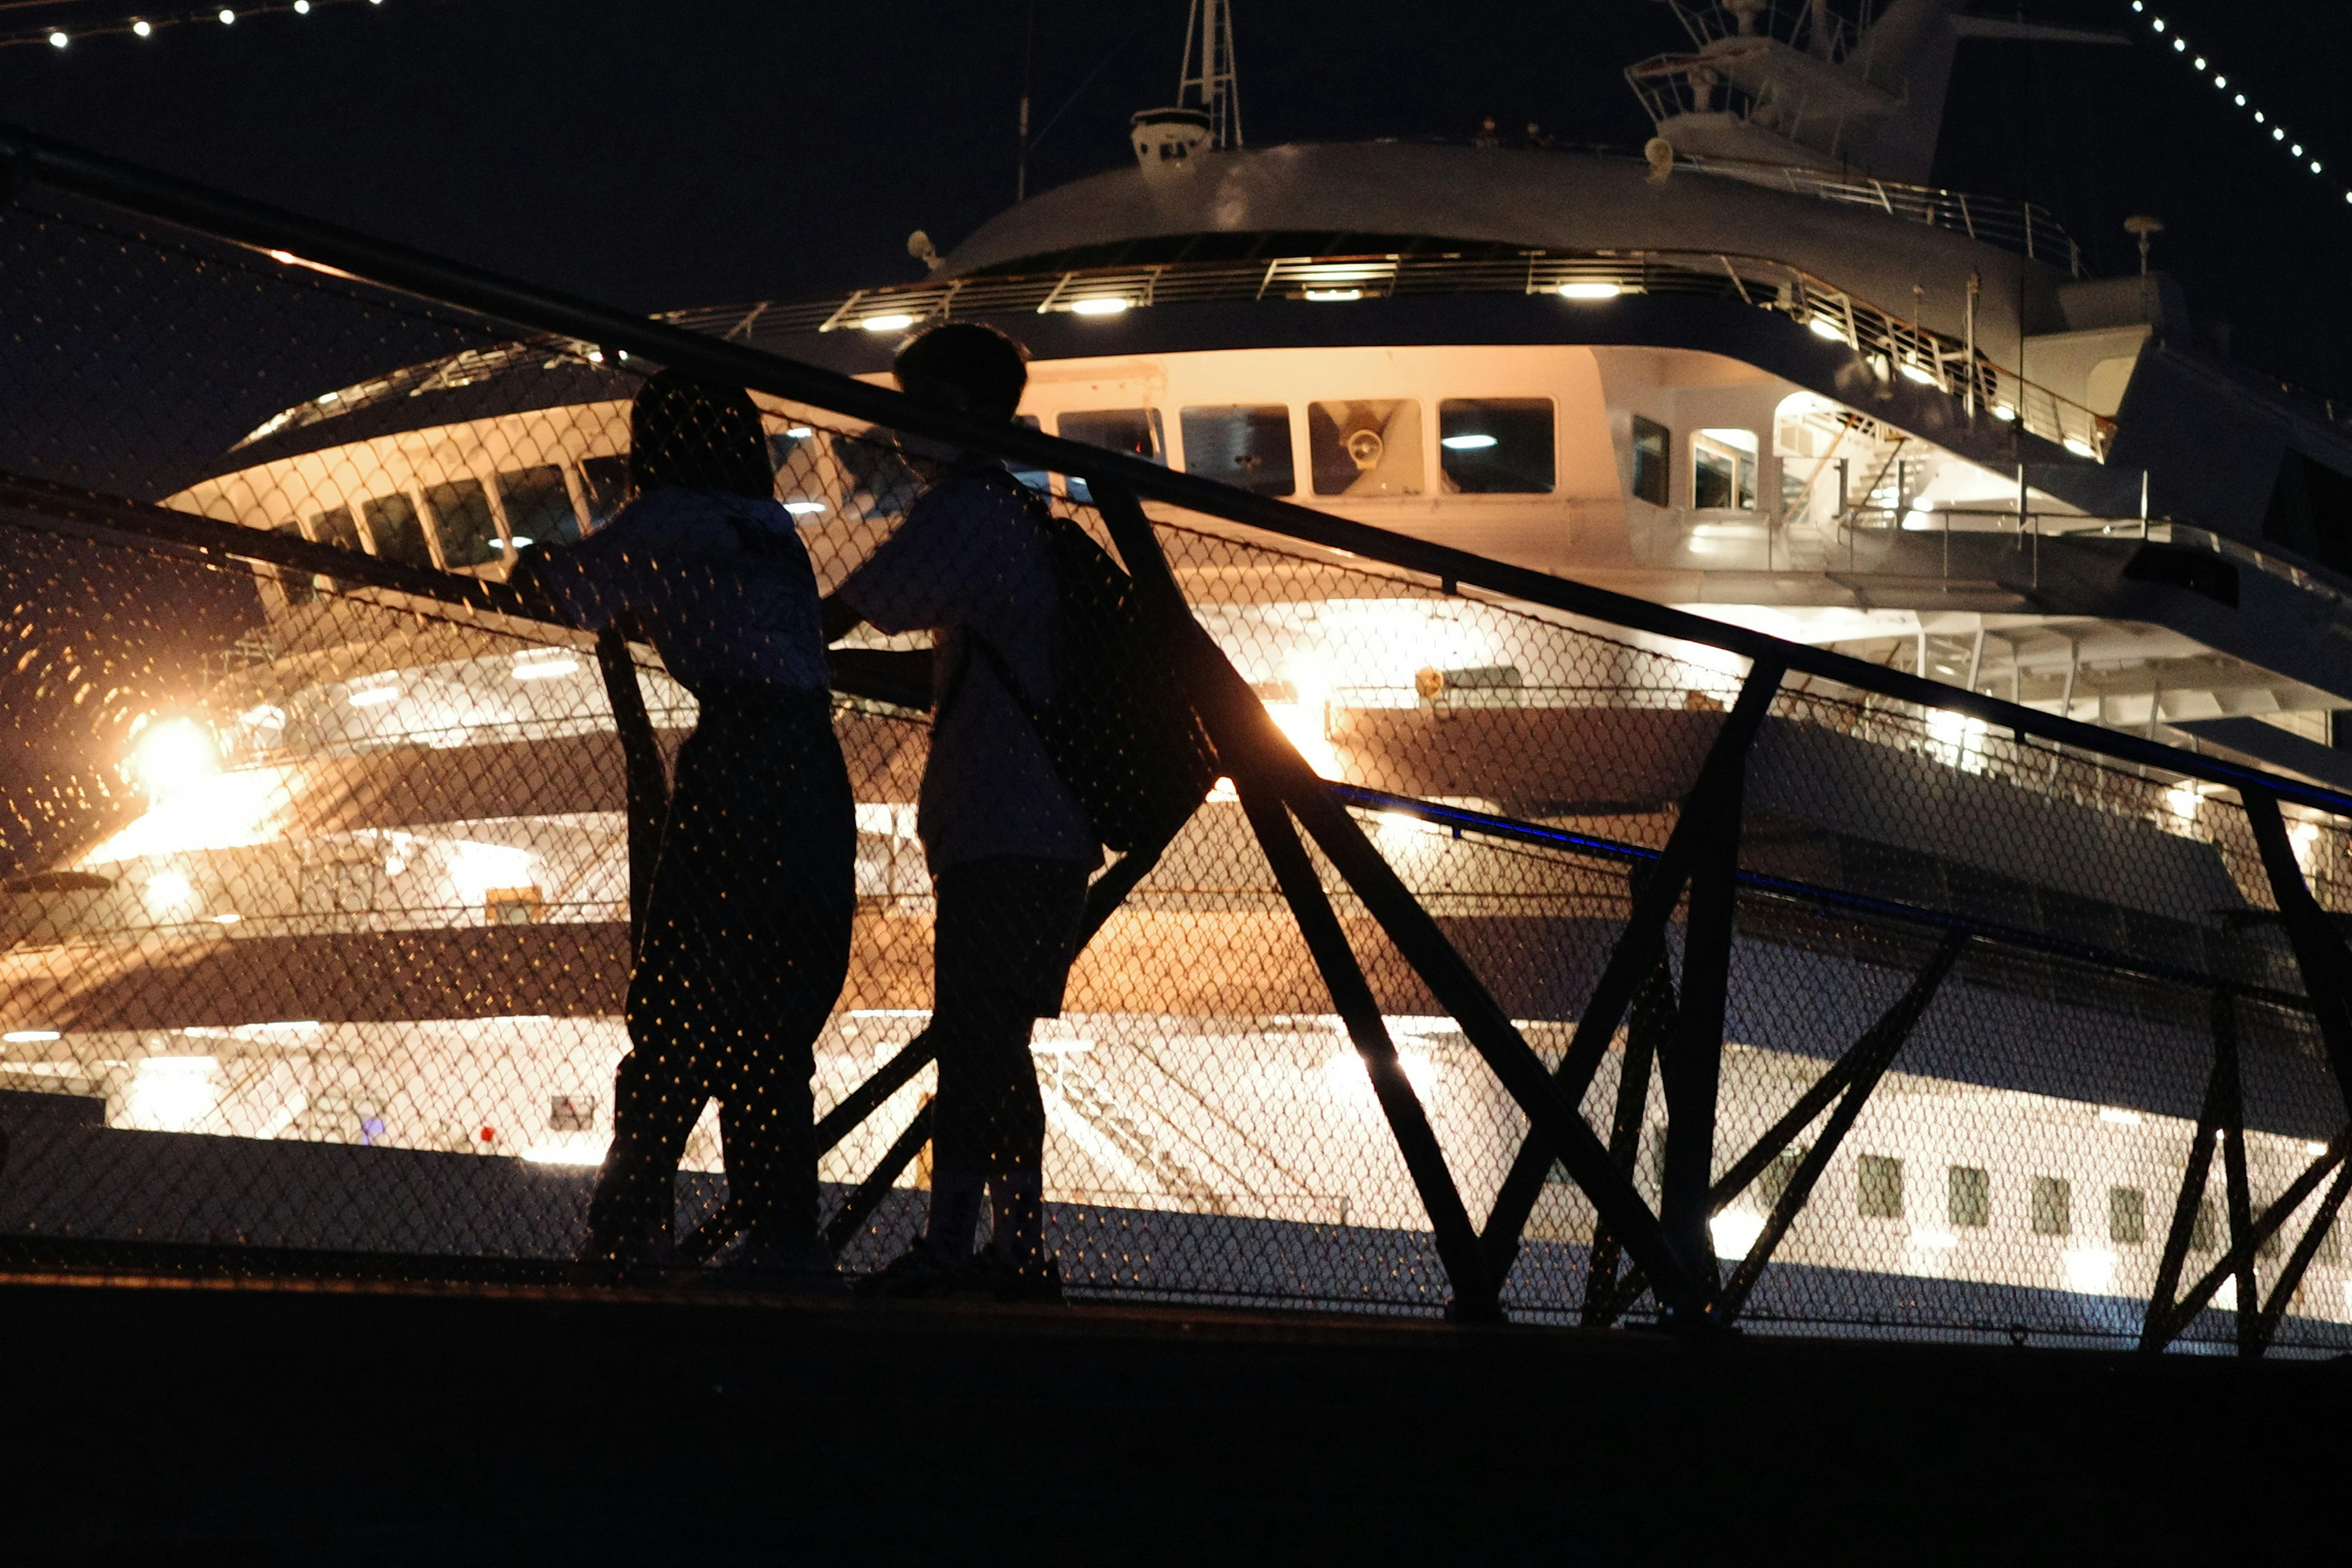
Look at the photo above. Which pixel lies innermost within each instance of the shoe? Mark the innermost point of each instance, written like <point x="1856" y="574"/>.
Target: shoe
<point x="803" y="1270"/>
<point x="992" y="1274"/>
<point x="921" y="1273"/>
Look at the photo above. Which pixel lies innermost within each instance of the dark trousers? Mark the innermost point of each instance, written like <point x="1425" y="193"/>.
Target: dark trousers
<point x="1002" y="950"/>
<point x="745" y="946"/>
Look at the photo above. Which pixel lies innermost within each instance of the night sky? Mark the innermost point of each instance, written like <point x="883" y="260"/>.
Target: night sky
<point x="714" y="150"/>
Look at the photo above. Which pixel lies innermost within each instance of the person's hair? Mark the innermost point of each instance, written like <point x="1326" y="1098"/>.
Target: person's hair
<point x="687" y="432"/>
<point x="964" y="365"/>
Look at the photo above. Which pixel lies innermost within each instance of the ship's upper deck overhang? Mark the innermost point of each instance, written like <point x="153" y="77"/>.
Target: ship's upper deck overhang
<point x="1927" y="242"/>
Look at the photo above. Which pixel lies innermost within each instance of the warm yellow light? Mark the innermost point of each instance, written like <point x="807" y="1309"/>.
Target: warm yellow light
<point x="891" y="323"/>
<point x="1098" y="307"/>
<point x="173" y="755"/>
<point x="1589" y="290"/>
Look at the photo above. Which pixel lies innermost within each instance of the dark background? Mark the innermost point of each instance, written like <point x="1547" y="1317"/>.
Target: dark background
<point x="703" y="150"/>
<point x="700" y="152"/>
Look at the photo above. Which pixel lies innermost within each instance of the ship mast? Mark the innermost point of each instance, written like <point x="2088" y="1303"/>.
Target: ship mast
<point x="1207" y="82"/>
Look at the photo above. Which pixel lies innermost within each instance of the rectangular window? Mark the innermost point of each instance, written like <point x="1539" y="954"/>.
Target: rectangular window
<point x="1134" y="431"/>
<point x="2127" y="1215"/>
<point x="1368" y="448"/>
<point x="1723" y="470"/>
<point x="1495" y="445"/>
<point x="1246" y="446"/>
<point x="1652" y="446"/>
<point x="1878" y="1192"/>
<point x="538" y="507"/>
<point x="395" y="531"/>
<point x="1967" y="1197"/>
<point x="604" y="483"/>
<point x="462" y="517"/>
<point x="1773" y="1182"/>
<point x="336" y="528"/>
<point x="2054" y="1206"/>
<point x="300" y="587"/>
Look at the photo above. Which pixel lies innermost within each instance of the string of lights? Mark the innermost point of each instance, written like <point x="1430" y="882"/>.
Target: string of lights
<point x="64" y="37"/>
<point x="2206" y="68"/>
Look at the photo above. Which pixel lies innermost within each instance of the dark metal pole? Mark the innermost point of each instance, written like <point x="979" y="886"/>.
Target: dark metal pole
<point x="1476" y="1290"/>
<point x="1637" y="949"/>
<point x="2157" y="1326"/>
<point x="1654" y="1021"/>
<point x="1692" y="1060"/>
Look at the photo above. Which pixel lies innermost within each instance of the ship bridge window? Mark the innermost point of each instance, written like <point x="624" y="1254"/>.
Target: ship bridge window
<point x="604" y="485"/>
<point x="538" y="507"/>
<point x="1368" y="448"/>
<point x="1495" y="445"/>
<point x="395" y="531"/>
<point x="1134" y="431"/>
<point x="1653" y="443"/>
<point x="300" y="587"/>
<point x="463" y="519"/>
<point x="1723" y="470"/>
<point x="1244" y="445"/>
<point x="336" y="528"/>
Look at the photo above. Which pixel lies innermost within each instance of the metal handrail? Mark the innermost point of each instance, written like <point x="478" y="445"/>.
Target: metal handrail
<point x="386" y="265"/>
<point x="1896" y="345"/>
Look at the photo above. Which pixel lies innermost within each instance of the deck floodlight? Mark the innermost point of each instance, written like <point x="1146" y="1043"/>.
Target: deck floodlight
<point x="895" y="322"/>
<point x="1101" y="305"/>
<point x="1581" y="290"/>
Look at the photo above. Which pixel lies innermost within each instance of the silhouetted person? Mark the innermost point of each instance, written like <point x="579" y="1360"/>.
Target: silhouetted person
<point x="1010" y="848"/>
<point x="745" y="939"/>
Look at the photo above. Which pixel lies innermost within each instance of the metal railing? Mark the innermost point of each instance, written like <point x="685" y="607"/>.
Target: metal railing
<point x="1890" y="344"/>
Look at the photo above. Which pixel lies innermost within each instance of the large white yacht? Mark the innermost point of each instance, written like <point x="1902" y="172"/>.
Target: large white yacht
<point x="1760" y="371"/>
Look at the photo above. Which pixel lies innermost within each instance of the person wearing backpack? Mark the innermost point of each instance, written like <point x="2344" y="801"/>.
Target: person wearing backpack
<point x="1009" y="844"/>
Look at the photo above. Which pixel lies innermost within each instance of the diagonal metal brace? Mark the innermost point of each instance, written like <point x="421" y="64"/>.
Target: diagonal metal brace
<point x="2219" y="1111"/>
<point x="1238" y="723"/>
<point x="1475" y="1293"/>
<point x="2238" y="1260"/>
<point x="1871" y="1055"/>
<point x="2282" y="1292"/>
<point x="1639" y="947"/>
<point x="1654" y="1020"/>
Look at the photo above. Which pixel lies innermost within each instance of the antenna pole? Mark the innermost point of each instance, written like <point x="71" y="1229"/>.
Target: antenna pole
<point x="1028" y="60"/>
<point x="1212" y="87"/>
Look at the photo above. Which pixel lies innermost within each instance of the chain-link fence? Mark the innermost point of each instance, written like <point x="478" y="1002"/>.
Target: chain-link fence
<point x="1882" y="1015"/>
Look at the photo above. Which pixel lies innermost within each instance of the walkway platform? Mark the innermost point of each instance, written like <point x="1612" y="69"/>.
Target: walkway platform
<point x="379" y="1422"/>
